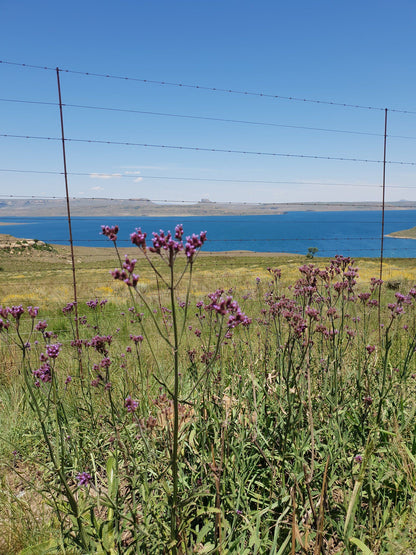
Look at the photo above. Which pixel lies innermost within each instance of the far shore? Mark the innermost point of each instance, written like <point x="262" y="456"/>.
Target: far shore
<point x="13" y="223"/>
<point x="140" y="207"/>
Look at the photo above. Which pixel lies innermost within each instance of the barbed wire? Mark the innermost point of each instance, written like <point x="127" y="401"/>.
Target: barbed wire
<point x="207" y="88"/>
<point x="207" y="149"/>
<point x="94" y="174"/>
<point x="188" y="116"/>
<point x="206" y="118"/>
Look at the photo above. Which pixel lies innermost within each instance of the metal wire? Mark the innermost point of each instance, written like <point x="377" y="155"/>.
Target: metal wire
<point x="207" y="149"/>
<point x="210" y="89"/>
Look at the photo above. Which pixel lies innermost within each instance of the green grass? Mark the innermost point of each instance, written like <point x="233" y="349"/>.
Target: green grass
<point x="289" y="440"/>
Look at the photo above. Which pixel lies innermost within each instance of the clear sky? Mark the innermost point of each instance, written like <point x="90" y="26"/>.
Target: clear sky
<point x="358" y="52"/>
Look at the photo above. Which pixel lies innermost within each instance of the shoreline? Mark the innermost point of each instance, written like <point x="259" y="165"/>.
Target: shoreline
<point x="400" y="236"/>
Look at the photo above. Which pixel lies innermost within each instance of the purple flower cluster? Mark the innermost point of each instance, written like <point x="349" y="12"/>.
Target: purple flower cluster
<point x="138" y="238"/>
<point x="397" y="307"/>
<point x="43" y="373"/>
<point x="340" y="263"/>
<point x="364" y="297"/>
<point x="313" y="313"/>
<point x="136" y="338"/>
<point x="126" y="274"/>
<point x="4" y="322"/>
<point x="275" y="272"/>
<point x="105" y="362"/>
<point x="92" y="303"/>
<point x="290" y="311"/>
<point x="227" y="306"/>
<point x="307" y="285"/>
<point x="167" y="242"/>
<point x="69" y="307"/>
<point x="99" y="343"/>
<point x="53" y="350"/>
<point x="375" y="283"/>
<point x="16" y="311"/>
<point x="4" y="312"/>
<point x="33" y="311"/>
<point x="83" y="479"/>
<point x="110" y="232"/>
<point x="130" y="404"/>
<point x="194" y="243"/>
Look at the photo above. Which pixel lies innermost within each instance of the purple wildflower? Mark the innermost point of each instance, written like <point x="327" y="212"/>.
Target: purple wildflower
<point x="129" y="264"/>
<point x="136" y="338"/>
<point x="16" y="311"/>
<point x="313" y="313"/>
<point x="33" y="311"/>
<point x="110" y="232"/>
<point x="41" y="325"/>
<point x="44" y="373"/>
<point x="193" y="243"/>
<point x="4" y="324"/>
<point x="53" y="350"/>
<point x="179" y="232"/>
<point x="130" y="404"/>
<point x="84" y="478"/>
<point x="68" y="308"/>
<point x="99" y="343"/>
<point x="138" y="238"/>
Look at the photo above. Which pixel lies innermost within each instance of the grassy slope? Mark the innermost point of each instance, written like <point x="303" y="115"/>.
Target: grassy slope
<point x="404" y="234"/>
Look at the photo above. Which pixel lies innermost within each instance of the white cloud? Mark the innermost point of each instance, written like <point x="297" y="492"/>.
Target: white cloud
<point x="97" y="188"/>
<point x="104" y="175"/>
<point x="138" y="179"/>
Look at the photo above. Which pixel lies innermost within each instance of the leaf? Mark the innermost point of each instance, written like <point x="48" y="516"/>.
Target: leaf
<point x="112" y="478"/>
<point x="366" y="550"/>
<point x="43" y="548"/>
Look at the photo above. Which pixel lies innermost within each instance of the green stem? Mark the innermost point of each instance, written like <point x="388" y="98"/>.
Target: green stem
<point x="174" y="461"/>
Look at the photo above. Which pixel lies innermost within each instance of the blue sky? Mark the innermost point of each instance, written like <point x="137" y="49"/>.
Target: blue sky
<point x="356" y="53"/>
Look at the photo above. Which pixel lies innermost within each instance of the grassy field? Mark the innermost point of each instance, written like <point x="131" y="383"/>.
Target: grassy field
<point x="240" y="403"/>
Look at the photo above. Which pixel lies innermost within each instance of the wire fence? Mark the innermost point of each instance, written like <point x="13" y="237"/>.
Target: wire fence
<point x="167" y="146"/>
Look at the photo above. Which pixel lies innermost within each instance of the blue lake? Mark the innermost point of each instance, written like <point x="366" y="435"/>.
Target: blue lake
<point x="355" y="234"/>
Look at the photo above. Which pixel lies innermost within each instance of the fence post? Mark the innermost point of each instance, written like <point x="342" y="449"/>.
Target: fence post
<point x="74" y="279"/>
